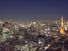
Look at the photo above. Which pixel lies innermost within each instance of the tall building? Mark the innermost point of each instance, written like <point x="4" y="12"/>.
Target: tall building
<point x="62" y="26"/>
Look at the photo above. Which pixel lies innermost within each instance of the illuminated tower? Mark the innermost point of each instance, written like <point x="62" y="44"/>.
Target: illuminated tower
<point x="62" y="26"/>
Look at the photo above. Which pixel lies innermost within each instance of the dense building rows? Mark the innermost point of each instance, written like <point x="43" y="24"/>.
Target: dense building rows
<point x="35" y="36"/>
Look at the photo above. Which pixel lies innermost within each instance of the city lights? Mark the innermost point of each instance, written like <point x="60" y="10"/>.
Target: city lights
<point x="34" y="25"/>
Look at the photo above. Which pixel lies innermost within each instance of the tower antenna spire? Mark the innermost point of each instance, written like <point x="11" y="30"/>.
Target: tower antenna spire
<point x="62" y="26"/>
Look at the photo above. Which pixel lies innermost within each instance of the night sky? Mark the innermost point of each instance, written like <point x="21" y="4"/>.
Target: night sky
<point x="21" y="10"/>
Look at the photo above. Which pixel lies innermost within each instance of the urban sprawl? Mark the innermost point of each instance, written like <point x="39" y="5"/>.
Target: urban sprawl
<point x="51" y="35"/>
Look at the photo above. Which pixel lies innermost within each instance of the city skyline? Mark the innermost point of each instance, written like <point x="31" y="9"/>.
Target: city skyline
<point x="33" y="9"/>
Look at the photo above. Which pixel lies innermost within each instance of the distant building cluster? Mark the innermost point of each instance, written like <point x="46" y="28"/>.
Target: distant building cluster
<point x="48" y="28"/>
<point x="7" y="29"/>
<point x="36" y="34"/>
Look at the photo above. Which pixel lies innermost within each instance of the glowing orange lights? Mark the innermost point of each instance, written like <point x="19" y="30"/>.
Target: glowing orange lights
<point x="62" y="26"/>
<point x="62" y="30"/>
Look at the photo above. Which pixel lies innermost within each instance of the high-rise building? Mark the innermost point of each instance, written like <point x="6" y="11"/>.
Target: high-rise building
<point x="62" y="26"/>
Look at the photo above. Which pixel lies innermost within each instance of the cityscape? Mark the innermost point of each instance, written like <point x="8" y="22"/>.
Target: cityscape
<point x="33" y="25"/>
<point x="35" y="36"/>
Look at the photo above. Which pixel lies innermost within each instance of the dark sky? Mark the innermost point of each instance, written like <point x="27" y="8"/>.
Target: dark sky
<point x="33" y="9"/>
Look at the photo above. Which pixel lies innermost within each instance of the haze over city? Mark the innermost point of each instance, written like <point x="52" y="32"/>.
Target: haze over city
<point x="20" y="10"/>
